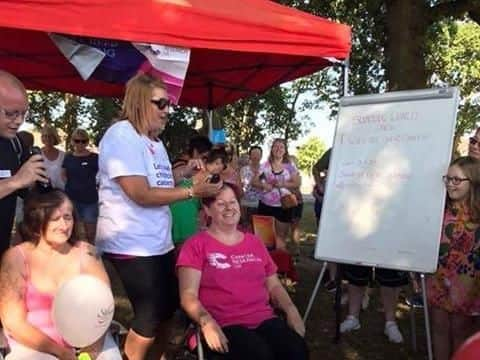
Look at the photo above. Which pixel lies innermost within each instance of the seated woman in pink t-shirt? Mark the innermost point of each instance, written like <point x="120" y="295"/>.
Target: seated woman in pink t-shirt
<point x="227" y="283"/>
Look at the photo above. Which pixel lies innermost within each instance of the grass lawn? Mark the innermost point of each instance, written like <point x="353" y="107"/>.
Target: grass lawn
<point x="368" y="343"/>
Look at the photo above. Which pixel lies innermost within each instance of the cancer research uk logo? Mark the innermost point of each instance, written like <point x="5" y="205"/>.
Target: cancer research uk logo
<point x="218" y="261"/>
<point x="221" y="261"/>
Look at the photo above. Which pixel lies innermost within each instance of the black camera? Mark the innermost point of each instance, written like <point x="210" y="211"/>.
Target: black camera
<point x="40" y="186"/>
<point x="215" y="178"/>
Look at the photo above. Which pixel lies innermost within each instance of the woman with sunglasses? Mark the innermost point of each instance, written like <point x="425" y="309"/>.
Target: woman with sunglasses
<point x="454" y="290"/>
<point x="79" y="171"/>
<point x="134" y="227"/>
<point x="474" y="145"/>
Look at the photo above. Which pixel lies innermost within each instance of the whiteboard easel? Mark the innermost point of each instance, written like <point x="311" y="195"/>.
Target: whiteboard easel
<point x="384" y="197"/>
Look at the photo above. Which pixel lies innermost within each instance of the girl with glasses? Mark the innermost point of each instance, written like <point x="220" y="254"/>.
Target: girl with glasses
<point x="453" y="291"/>
<point x="79" y="171"/>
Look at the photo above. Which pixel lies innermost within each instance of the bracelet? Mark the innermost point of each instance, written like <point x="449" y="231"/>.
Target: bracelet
<point x="189" y="192"/>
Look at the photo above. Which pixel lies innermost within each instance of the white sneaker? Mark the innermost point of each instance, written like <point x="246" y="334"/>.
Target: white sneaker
<point x="393" y="333"/>
<point x="349" y="324"/>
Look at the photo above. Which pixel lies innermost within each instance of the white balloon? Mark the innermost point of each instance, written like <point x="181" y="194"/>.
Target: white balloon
<point x="83" y="310"/>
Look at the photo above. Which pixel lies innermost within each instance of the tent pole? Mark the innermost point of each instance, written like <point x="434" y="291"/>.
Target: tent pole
<point x="210" y="111"/>
<point x="210" y="123"/>
<point x="346" y="69"/>
<point x="339" y="274"/>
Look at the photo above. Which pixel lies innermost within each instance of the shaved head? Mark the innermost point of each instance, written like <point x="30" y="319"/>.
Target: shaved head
<point x="13" y="104"/>
<point x="8" y="82"/>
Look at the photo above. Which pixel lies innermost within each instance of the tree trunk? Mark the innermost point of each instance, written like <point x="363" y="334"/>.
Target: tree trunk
<point x="406" y="27"/>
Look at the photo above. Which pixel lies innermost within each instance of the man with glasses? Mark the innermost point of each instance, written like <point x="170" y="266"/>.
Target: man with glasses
<point x="13" y="175"/>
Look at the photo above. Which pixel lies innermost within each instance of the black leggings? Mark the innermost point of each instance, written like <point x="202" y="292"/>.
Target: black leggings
<point x="272" y="340"/>
<point x="151" y="287"/>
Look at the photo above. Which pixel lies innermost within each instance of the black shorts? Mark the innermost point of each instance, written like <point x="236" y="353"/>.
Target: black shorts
<point x="362" y="275"/>
<point x="297" y="212"/>
<point x="151" y="286"/>
<point x="280" y="214"/>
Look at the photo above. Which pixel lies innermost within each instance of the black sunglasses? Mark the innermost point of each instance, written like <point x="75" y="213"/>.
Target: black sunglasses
<point x="80" y="141"/>
<point x="473" y="141"/>
<point x="161" y="103"/>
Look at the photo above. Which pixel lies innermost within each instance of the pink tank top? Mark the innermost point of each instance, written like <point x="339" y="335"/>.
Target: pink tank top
<point x="39" y="308"/>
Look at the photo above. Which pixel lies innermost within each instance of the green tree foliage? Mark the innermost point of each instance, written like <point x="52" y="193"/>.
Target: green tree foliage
<point x="454" y="59"/>
<point x="309" y="152"/>
<point x="63" y="111"/>
<point x="180" y="129"/>
<point x="103" y="111"/>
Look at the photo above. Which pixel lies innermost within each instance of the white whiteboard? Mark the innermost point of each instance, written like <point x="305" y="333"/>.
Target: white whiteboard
<point x="385" y="197"/>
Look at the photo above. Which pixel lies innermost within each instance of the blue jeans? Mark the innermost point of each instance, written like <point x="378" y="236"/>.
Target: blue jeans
<point x="87" y="213"/>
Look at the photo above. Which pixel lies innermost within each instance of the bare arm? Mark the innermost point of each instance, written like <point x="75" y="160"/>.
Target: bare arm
<point x="293" y="183"/>
<point x="13" y="312"/>
<point x="261" y="184"/>
<point x="189" y="283"/>
<point x="92" y="264"/>
<point x="186" y="170"/>
<point x="138" y="190"/>
<point x="281" y="300"/>
<point x="63" y="175"/>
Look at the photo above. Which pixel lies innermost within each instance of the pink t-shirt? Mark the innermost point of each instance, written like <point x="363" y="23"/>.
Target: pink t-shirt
<point x="232" y="286"/>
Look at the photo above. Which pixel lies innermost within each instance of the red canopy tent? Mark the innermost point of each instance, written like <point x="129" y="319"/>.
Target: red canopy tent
<point x="239" y="47"/>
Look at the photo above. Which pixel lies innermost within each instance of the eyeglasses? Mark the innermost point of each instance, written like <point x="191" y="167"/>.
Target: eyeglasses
<point x="161" y="103"/>
<point x="473" y="141"/>
<point x="80" y="141"/>
<point x="15" y="114"/>
<point x="455" y="180"/>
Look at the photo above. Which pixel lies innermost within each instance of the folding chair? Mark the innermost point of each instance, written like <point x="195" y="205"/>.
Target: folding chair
<point x="192" y="341"/>
<point x="264" y="228"/>
<point x="119" y="332"/>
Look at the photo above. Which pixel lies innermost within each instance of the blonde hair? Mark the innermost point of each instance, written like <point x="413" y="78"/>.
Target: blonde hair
<point x="52" y="133"/>
<point x="136" y="104"/>
<point x="83" y="133"/>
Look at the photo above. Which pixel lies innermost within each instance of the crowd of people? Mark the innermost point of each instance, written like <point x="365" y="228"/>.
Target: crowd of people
<point x="141" y="213"/>
<point x="179" y="234"/>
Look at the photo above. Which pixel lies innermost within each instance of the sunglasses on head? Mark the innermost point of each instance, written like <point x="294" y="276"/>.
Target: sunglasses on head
<point x="473" y="141"/>
<point x="161" y="103"/>
<point x="80" y="141"/>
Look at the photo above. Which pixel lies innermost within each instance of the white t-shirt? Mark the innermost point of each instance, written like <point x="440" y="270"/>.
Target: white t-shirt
<point x="124" y="227"/>
<point x="54" y="170"/>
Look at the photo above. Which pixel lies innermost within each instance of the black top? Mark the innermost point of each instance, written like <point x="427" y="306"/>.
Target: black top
<point x="11" y="156"/>
<point x="81" y="185"/>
